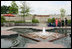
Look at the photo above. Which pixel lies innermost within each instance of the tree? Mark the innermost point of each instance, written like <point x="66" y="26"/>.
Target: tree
<point x="5" y="9"/>
<point x="62" y="12"/>
<point x="14" y="8"/>
<point x="25" y="9"/>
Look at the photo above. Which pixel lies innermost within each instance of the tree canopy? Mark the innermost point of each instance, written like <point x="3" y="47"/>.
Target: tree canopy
<point x="25" y="9"/>
<point x="5" y="9"/>
<point x="62" y="12"/>
<point x="14" y="8"/>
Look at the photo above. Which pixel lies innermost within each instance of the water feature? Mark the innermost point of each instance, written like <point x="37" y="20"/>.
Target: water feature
<point x="43" y="33"/>
<point x="23" y="41"/>
<point x="13" y="40"/>
<point x="66" y="41"/>
<point x="9" y="42"/>
<point x="6" y="43"/>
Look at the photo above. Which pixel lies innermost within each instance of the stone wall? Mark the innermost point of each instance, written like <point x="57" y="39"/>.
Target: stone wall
<point x="17" y="18"/>
<point x="44" y="19"/>
<point x="29" y="18"/>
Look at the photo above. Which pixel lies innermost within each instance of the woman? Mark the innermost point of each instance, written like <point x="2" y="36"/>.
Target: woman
<point x="56" y="22"/>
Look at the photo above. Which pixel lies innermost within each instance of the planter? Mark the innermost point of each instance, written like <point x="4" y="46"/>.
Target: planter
<point x="6" y="24"/>
<point x="9" y="24"/>
<point x="68" y="24"/>
<point x="2" y="24"/>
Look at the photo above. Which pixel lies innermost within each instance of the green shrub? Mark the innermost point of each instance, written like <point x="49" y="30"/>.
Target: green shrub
<point x="35" y="21"/>
<point x="2" y="19"/>
<point x="49" y="20"/>
<point x="69" y="21"/>
<point x="16" y="21"/>
<point x="53" y="20"/>
<point x="10" y="21"/>
<point x="7" y="21"/>
<point x="19" y="21"/>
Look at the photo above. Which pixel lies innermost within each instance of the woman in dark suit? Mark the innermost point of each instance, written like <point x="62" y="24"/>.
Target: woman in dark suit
<point x="66" y="21"/>
<point x="62" y="22"/>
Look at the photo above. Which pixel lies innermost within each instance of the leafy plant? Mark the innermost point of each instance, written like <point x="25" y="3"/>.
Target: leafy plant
<point x="2" y="19"/>
<point x="19" y="21"/>
<point x="49" y="20"/>
<point x="53" y="20"/>
<point x="69" y="21"/>
<point x="10" y="21"/>
<point x="14" y="8"/>
<point x="5" y="9"/>
<point x="35" y="21"/>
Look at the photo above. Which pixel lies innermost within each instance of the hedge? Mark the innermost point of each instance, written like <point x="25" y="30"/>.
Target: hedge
<point x="2" y="19"/>
<point x="69" y="21"/>
<point x="35" y="21"/>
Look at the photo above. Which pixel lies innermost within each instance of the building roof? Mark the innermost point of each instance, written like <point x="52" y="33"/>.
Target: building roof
<point x="42" y="15"/>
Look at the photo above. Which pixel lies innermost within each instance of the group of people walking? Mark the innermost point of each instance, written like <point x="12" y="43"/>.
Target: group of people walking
<point x="61" y="22"/>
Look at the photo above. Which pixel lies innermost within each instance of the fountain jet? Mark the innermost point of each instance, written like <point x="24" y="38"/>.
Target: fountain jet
<point x="44" y="31"/>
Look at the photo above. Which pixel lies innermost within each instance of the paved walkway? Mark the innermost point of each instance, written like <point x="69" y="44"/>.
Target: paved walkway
<point x="36" y="27"/>
<point x="6" y="28"/>
<point x="44" y="45"/>
<point x="5" y="32"/>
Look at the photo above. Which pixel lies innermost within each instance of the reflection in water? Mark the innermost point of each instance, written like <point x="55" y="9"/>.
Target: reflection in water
<point x="5" y="43"/>
<point x="8" y="42"/>
<point x="23" y="41"/>
<point x="66" y="41"/>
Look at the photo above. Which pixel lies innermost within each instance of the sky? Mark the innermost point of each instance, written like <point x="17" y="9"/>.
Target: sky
<point x="44" y="7"/>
